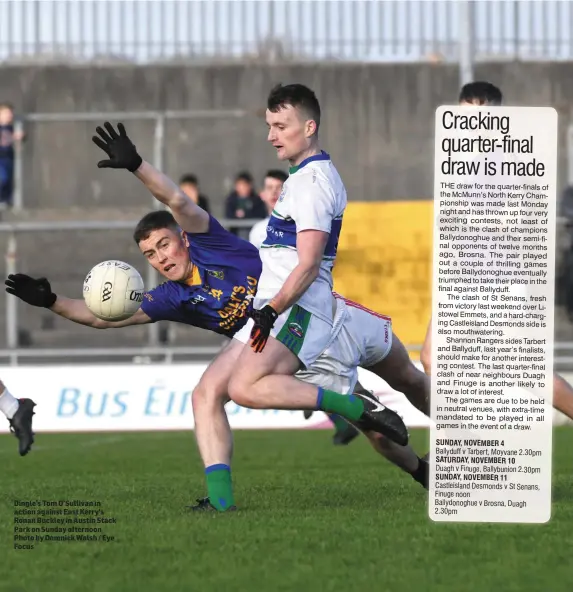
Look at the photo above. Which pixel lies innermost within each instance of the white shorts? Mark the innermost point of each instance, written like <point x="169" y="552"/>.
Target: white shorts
<point x="360" y="337"/>
<point x="303" y="333"/>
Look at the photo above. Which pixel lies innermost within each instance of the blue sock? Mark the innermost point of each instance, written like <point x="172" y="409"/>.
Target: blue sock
<point x="319" y="397"/>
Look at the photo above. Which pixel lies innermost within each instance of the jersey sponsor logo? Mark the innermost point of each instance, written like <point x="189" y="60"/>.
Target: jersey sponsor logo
<point x="220" y="275"/>
<point x="281" y="232"/>
<point x="106" y="292"/>
<point x="237" y="305"/>
<point x="296" y="330"/>
<point x="148" y="296"/>
<point x="282" y="194"/>
<point x="274" y="232"/>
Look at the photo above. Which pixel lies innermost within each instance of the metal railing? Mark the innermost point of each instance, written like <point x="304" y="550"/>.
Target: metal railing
<point x="158" y="117"/>
<point x="137" y="355"/>
<point x="116" y="31"/>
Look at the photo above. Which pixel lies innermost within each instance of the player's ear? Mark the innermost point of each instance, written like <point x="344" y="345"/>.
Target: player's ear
<point x="310" y="128"/>
<point x="184" y="238"/>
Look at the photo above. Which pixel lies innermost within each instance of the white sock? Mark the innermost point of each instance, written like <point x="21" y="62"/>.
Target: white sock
<point x="8" y="404"/>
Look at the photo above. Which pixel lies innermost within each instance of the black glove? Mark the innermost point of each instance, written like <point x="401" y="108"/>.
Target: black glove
<point x="34" y="292"/>
<point x="264" y="321"/>
<point x="120" y="149"/>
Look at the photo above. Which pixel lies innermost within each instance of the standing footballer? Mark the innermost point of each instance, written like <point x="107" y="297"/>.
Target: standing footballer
<point x="294" y="306"/>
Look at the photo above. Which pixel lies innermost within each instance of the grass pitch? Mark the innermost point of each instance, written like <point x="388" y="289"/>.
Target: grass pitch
<point x="312" y="517"/>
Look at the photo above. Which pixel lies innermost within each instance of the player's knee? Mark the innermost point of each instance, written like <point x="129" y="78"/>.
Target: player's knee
<point x="242" y="393"/>
<point x="204" y="396"/>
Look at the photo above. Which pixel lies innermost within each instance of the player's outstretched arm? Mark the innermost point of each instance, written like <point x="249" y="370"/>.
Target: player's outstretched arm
<point x="122" y="154"/>
<point x="38" y="292"/>
<point x="190" y="217"/>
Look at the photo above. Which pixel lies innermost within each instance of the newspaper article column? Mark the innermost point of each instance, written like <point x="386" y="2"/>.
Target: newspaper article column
<point x="492" y="310"/>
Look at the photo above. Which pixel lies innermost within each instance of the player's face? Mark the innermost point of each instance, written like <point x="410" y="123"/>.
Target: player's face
<point x="271" y="191"/>
<point x="166" y="251"/>
<point x="289" y="133"/>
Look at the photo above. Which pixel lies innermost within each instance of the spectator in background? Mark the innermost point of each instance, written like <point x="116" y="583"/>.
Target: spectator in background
<point x="244" y="204"/>
<point x="272" y="187"/>
<point x="189" y="184"/>
<point x="7" y="139"/>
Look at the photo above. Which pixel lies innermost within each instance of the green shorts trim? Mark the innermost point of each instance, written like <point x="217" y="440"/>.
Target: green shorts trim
<point x="294" y="330"/>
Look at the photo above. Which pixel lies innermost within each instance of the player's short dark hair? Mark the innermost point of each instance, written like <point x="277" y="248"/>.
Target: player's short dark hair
<point x="277" y="174"/>
<point x="189" y="179"/>
<point x="295" y="95"/>
<point x="484" y="93"/>
<point x="155" y="220"/>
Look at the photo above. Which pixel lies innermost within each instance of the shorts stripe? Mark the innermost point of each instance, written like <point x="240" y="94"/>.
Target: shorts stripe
<point x="363" y="308"/>
<point x="294" y="330"/>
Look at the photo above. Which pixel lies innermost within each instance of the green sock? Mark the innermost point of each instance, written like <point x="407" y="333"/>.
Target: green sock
<point x="220" y="487"/>
<point x="349" y="406"/>
<point x="339" y="423"/>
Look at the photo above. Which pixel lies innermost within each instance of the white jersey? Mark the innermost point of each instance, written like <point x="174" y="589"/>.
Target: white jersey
<point x="258" y="232"/>
<point x="313" y="198"/>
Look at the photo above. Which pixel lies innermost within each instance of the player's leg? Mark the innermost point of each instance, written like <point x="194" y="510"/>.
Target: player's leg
<point x="562" y="395"/>
<point x="344" y="433"/>
<point x="383" y="353"/>
<point x="403" y="457"/>
<point x="265" y="380"/>
<point x="212" y="430"/>
<point x="426" y="351"/>
<point x="367" y="339"/>
<point x="335" y="369"/>
<point x="399" y="372"/>
<point x="362" y="335"/>
<point x="19" y="413"/>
